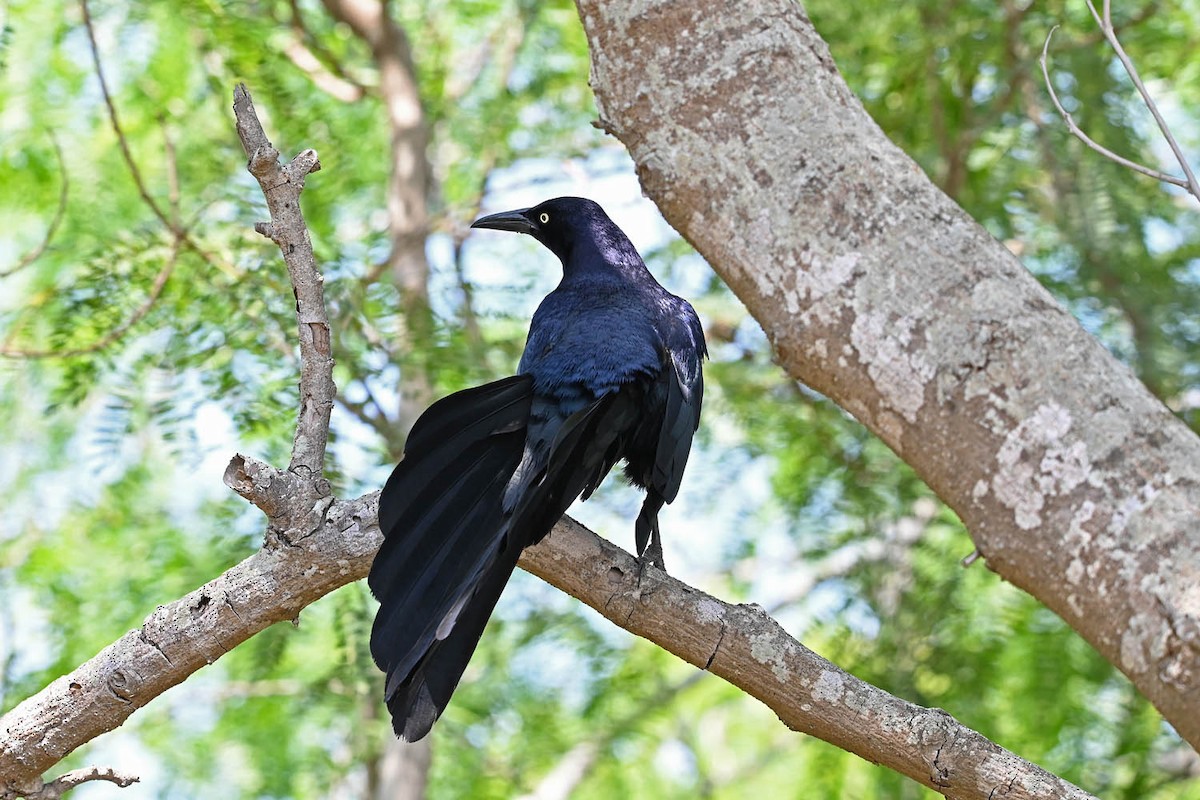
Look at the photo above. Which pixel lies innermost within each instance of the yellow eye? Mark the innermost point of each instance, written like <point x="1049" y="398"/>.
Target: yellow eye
<point x="544" y="217"/>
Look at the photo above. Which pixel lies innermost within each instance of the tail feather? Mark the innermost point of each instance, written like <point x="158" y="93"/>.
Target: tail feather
<point x="417" y="701"/>
<point x="446" y="427"/>
<point x="421" y="582"/>
<point x="456" y="513"/>
<point x="442" y="522"/>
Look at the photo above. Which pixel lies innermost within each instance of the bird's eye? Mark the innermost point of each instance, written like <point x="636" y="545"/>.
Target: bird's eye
<point x="544" y="217"/>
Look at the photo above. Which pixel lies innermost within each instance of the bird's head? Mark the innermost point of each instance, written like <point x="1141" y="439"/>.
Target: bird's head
<point x="558" y="223"/>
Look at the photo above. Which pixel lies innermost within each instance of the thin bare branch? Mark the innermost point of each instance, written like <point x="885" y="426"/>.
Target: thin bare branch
<point x="64" y="184"/>
<point x="281" y="185"/>
<point x="1078" y="133"/>
<point x="172" y="224"/>
<point x="64" y="783"/>
<point x="1108" y="31"/>
<point x="122" y="141"/>
<point x="173" y="192"/>
<point x="1106" y="27"/>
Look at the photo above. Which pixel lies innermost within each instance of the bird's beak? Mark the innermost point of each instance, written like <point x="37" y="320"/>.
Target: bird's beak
<point x="515" y="221"/>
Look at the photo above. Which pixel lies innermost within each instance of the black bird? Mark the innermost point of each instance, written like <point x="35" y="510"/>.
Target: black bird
<point x="611" y="371"/>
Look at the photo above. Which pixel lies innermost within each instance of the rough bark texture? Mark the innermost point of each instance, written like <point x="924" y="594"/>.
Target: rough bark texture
<point x="281" y="186"/>
<point x="877" y="290"/>
<point x="179" y="638"/>
<point x="745" y="646"/>
<point x="740" y="643"/>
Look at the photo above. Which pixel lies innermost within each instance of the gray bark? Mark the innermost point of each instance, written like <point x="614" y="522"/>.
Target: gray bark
<point x="877" y="290"/>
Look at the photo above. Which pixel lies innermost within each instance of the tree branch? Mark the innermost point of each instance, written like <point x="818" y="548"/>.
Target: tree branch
<point x="329" y="546"/>
<point x="174" y="225"/>
<point x="1104" y="20"/>
<point x="64" y="783"/>
<point x="281" y="185"/>
<point x="875" y="289"/>
<point x="746" y="647"/>
<point x="64" y="186"/>
<point x="317" y="543"/>
<point x="739" y="643"/>
<point x="1106" y="27"/>
<point x="1079" y="134"/>
<point x="156" y="290"/>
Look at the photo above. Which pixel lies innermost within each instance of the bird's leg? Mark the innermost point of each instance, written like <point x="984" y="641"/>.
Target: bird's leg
<point x="652" y="554"/>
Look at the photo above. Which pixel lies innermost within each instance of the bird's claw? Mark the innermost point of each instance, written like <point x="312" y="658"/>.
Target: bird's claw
<point x="651" y="556"/>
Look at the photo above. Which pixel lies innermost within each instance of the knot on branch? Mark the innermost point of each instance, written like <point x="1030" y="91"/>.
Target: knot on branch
<point x="254" y="480"/>
<point x="263" y="160"/>
<point x="124" y="683"/>
<point x="305" y="163"/>
<point x="295" y="501"/>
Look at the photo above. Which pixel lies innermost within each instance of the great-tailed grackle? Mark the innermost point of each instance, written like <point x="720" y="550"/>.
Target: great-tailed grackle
<point x="611" y="370"/>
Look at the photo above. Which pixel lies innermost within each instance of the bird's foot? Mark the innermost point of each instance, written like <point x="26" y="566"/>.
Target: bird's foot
<point x="651" y="556"/>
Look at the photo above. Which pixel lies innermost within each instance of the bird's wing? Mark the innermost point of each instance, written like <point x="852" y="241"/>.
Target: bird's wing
<point x="685" y="394"/>
<point x="486" y="472"/>
<point x="583" y="448"/>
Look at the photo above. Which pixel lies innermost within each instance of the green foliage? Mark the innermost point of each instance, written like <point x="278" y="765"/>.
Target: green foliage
<point x="112" y="457"/>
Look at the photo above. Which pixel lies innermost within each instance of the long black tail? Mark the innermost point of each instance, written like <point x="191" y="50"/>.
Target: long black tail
<point x="455" y="519"/>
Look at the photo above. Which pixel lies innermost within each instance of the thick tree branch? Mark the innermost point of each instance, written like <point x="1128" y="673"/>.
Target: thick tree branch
<point x="740" y="643"/>
<point x="877" y="290"/>
<point x="746" y="647"/>
<point x="334" y="546"/>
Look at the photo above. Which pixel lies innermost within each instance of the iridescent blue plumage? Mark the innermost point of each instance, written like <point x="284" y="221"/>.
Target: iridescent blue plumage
<point x="611" y="371"/>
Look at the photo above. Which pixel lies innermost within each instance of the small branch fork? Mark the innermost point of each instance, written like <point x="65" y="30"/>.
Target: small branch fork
<point x="1104" y="20"/>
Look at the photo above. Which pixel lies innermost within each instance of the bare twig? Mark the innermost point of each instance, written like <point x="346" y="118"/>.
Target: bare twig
<point x="172" y="224"/>
<point x="1106" y="27"/>
<point x="122" y="141"/>
<point x="1104" y="20"/>
<point x="281" y="185"/>
<point x="173" y="192"/>
<point x="160" y="280"/>
<point x="64" y="783"/>
<point x="36" y="253"/>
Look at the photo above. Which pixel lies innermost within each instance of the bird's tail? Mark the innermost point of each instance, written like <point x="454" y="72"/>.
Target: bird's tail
<point x="446" y="554"/>
<point x="455" y="519"/>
